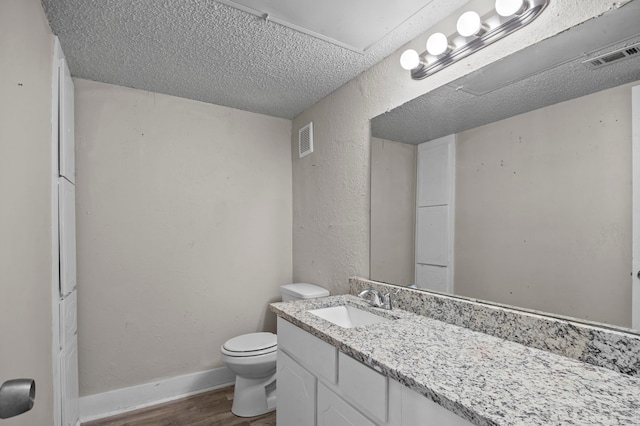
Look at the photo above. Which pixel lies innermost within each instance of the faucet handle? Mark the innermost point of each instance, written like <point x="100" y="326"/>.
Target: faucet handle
<point x="388" y="302"/>
<point x="375" y="297"/>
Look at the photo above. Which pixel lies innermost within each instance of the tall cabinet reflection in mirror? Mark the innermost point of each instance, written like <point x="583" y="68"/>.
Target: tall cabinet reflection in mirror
<point x="435" y="215"/>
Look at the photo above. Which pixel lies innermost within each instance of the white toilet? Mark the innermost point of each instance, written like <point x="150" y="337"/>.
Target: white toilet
<point x="252" y="357"/>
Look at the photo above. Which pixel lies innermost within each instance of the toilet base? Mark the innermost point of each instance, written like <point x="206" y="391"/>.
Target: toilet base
<point x="253" y="397"/>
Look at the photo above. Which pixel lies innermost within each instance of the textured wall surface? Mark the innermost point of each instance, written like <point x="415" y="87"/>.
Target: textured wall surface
<point x="543" y="209"/>
<point x="393" y="211"/>
<point x="331" y="187"/>
<point x="184" y="231"/>
<point x="26" y="57"/>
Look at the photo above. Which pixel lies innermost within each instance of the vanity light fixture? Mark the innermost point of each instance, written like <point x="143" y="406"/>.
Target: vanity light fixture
<point x="438" y="44"/>
<point x="410" y="59"/>
<point x="473" y="33"/>
<point x="510" y="7"/>
<point x="469" y="24"/>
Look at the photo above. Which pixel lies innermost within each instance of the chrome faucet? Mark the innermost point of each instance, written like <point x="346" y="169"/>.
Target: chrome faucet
<point x="377" y="300"/>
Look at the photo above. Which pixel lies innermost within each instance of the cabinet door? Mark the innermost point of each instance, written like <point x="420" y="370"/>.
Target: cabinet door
<point x="318" y="357"/>
<point x="419" y="410"/>
<point x="334" y="411"/>
<point x="432" y="277"/>
<point x="68" y="318"/>
<point x="296" y="393"/>
<point x="69" y="376"/>
<point x="67" y="221"/>
<point x="434" y="174"/>
<point x="365" y="387"/>
<point x="66" y="125"/>
<point x="432" y="245"/>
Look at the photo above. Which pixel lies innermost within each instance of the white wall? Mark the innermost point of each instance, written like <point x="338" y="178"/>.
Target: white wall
<point x="331" y="199"/>
<point x="184" y="231"/>
<point x="393" y="212"/>
<point x="26" y="56"/>
<point x="543" y="209"/>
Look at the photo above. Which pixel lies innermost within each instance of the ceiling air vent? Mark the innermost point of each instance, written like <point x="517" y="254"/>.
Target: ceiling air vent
<point x="305" y="140"/>
<point x="615" y="56"/>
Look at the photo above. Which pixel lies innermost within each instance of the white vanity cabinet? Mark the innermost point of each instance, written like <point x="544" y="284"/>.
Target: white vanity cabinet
<point x="296" y="393"/>
<point x="318" y="385"/>
<point x="335" y="411"/>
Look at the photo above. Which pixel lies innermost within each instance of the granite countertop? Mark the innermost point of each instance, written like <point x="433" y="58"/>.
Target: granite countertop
<point x="485" y="379"/>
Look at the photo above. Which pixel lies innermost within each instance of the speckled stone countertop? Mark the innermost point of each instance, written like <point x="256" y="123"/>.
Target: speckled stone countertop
<point x="484" y="379"/>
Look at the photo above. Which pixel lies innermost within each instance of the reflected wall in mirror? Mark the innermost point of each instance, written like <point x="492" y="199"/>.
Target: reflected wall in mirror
<point x="543" y="196"/>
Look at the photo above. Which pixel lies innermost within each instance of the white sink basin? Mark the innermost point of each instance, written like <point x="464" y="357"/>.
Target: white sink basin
<point x="348" y="316"/>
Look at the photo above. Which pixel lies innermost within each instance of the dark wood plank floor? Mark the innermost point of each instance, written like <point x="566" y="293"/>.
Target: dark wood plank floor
<point x="206" y="409"/>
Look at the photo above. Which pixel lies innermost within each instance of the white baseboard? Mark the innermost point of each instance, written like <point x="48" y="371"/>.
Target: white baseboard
<point x="119" y="401"/>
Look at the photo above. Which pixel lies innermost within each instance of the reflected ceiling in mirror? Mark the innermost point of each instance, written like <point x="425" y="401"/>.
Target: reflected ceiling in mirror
<point x="549" y="72"/>
<point x="544" y="75"/>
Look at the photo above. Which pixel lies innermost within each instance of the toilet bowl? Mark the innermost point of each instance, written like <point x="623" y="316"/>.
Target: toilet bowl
<point x="252" y="358"/>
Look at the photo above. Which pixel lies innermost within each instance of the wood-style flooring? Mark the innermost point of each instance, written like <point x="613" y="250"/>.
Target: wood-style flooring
<point x="205" y="409"/>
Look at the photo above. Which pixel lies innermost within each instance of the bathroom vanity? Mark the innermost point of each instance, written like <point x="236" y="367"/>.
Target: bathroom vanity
<point x="413" y="369"/>
<point x="309" y="389"/>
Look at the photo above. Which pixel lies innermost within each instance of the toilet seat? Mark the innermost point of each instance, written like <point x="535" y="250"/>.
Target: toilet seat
<point x="252" y="344"/>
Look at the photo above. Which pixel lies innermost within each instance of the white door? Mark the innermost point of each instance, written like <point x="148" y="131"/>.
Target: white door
<point x="66" y="123"/>
<point x="64" y="301"/>
<point x="70" y="392"/>
<point x="68" y="319"/>
<point x="635" y="275"/>
<point x="67" y="221"/>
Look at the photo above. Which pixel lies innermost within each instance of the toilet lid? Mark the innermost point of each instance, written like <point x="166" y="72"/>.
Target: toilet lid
<point x="251" y="342"/>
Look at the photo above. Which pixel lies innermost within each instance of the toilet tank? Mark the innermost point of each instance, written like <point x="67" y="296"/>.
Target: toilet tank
<point x="298" y="291"/>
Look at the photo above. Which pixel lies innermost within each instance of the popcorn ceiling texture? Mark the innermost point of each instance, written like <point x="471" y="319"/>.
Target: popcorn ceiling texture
<point x="207" y="51"/>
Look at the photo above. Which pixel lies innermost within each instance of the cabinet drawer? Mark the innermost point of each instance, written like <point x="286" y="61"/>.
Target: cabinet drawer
<point x="333" y="411"/>
<point x="319" y="357"/>
<point x="364" y="386"/>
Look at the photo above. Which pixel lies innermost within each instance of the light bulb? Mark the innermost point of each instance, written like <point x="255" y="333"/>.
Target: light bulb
<point x="510" y="7"/>
<point x="409" y="59"/>
<point x="437" y="44"/>
<point x="470" y="24"/>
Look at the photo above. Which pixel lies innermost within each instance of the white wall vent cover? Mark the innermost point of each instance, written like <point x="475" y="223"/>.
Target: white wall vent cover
<point x="614" y="56"/>
<point x="305" y="140"/>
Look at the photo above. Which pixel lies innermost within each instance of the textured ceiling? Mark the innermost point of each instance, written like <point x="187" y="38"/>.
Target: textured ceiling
<point x="207" y="51"/>
<point x="450" y="109"/>
<point x="332" y="20"/>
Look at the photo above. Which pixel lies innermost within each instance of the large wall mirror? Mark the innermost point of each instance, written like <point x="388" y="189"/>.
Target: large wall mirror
<point x="541" y="176"/>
